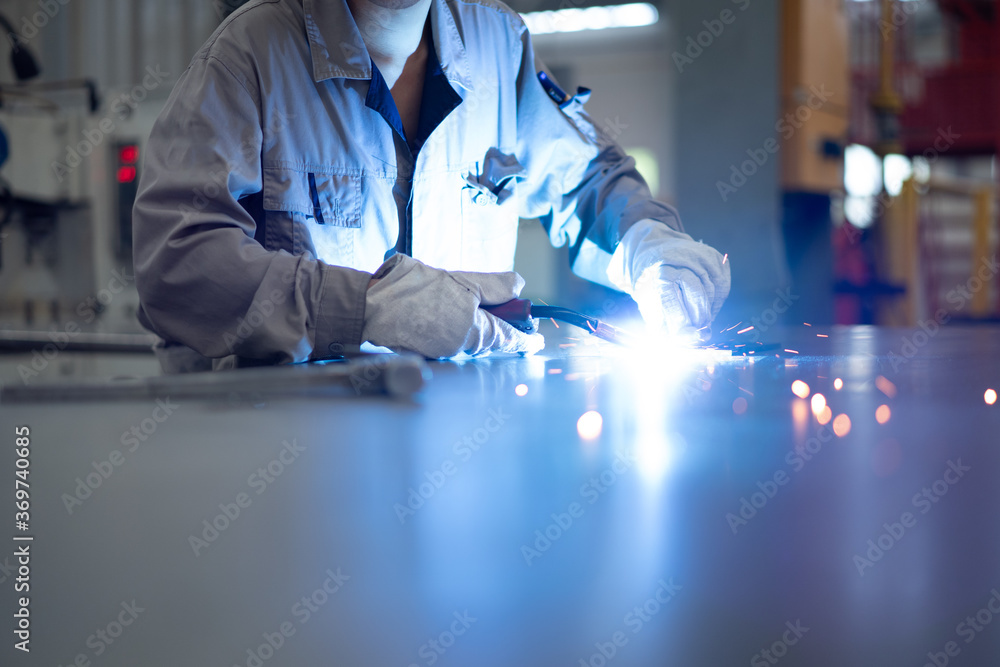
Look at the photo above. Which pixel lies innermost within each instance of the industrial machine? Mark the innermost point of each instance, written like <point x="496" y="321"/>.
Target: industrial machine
<point x="74" y="157"/>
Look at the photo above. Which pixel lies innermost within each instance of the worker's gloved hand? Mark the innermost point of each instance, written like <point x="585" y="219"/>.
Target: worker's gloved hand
<point x="413" y="307"/>
<point x="678" y="283"/>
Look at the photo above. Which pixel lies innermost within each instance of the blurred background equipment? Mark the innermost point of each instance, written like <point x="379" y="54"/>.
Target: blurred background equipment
<point x="84" y="86"/>
<point x="815" y="94"/>
<point x="920" y="203"/>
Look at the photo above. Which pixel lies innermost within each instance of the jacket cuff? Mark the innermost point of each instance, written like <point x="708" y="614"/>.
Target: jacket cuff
<point x="341" y="317"/>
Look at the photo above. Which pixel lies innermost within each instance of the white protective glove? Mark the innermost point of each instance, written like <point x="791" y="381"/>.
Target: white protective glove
<point x="436" y="313"/>
<point x="678" y="283"/>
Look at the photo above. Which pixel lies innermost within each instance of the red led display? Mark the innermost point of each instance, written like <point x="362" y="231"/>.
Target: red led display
<point x="128" y="154"/>
<point x="126" y="174"/>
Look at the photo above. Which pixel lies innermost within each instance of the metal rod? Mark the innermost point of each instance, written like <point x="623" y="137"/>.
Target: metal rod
<point x="398" y="376"/>
<point x="28" y="341"/>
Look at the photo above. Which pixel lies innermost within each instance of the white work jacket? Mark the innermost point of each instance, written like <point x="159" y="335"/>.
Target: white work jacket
<point x="276" y="179"/>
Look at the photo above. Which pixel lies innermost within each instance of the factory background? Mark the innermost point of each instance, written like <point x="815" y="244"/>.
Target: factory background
<point x="817" y="486"/>
<point x="742" y="113"/>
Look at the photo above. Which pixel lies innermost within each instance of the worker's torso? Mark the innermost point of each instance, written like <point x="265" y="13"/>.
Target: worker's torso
<point x="339" y="183"/>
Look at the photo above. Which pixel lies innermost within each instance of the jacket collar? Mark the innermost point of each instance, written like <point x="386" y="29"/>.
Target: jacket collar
<point x="339" y="52"/>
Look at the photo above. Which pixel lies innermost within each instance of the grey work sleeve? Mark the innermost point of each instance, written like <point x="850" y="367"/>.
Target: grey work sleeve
<point x="203" y="280"/>
<point x="580" y="183"/>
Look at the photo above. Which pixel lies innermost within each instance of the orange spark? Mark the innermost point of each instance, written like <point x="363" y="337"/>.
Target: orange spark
<point x="800" y="389"/>
<point x="885" y="386"/>
<point x="882" y="414"/>
<point x="825" y="416"/>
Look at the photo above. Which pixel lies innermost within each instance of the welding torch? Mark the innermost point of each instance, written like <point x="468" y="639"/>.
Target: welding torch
<point x="522" y="315"/>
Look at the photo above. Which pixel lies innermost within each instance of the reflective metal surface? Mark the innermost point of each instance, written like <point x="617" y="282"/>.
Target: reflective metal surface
<point x="587" y="507"/>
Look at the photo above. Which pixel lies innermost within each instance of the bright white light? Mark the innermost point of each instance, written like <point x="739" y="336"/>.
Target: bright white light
<point x="593" y="18"/>
<point x="647" y="165"/>
<point x="589" y="425"/>
<point x="863" y="182"/>
<point x="862" y="171"/>
<point x="860" y="211"/>
<point x="921" y="169"/>
<point x="897" y="170"/>
<point x="653" y="457"/>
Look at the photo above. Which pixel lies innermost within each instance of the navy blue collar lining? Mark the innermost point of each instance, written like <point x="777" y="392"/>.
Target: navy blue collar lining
<point x="380" y="99"/>
<point x="438" y="99"/>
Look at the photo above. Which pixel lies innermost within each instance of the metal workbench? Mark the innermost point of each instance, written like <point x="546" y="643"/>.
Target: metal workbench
<point x="705" y="517"/>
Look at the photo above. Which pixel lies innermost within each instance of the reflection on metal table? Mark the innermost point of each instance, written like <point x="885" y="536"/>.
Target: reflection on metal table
<point x="589" y="506"/>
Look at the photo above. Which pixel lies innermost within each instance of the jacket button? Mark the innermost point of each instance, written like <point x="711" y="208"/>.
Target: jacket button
<point x="481" y="199"/>
<point x="336" y="348"/>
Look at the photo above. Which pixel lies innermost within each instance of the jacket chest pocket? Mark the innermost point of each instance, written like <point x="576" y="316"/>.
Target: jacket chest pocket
<point x="489" y="230"/>
<point x="490" y="213"/>
<point x="312" y="213"/>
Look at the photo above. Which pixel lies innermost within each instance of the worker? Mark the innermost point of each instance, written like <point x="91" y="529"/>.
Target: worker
<point x="327" y="173"/>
